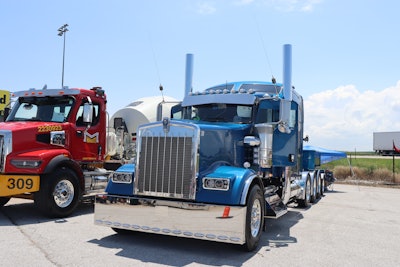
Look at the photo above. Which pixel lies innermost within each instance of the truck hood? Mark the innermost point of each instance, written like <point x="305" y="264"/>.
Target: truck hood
<point x="30" y="135"/>
<point x="221" y="144"/>
<point x="23" y="125"/>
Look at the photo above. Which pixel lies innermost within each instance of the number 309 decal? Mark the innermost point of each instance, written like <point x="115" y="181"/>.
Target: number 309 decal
<point x="20" y="183"/>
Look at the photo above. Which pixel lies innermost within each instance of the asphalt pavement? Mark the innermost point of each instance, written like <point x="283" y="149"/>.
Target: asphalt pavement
<point x="350" y="226"/>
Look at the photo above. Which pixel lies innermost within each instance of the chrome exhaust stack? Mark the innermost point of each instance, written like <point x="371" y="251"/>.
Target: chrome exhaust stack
<point x="265" y="133"/>
<point x="188" y="74"/>
<point x="284" y="113"/>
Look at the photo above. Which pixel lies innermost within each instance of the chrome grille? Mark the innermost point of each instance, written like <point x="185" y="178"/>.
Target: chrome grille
<point x="5" y="147"/>
<point x="2" y="153"/>
<point x="166" y="161"/>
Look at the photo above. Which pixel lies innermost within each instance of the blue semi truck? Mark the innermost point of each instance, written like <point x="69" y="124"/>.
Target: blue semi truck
<point x="229" y="157"/>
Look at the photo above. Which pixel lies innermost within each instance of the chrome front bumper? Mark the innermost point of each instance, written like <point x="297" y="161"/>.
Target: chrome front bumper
<point x="192" y="220"/>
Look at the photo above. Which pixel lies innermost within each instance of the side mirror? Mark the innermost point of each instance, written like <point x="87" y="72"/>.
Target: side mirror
<point x="251" y="141"/>
<point x="87" y="113"/>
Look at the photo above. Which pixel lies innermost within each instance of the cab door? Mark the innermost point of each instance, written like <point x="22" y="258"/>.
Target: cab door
<point x="88" y="142"/>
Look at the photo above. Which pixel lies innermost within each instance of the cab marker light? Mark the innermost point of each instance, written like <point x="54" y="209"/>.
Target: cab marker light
<point x="225" y="214"/>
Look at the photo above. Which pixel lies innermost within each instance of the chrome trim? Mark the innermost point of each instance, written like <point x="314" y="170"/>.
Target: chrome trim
<point x="167" y="159"/>
<point x="302" y="184"/>
<point x="121" y="177"/>
<point x="191" y="220"/>
<point x="57" y="138"/>
<point x="266" y="133"/>
<point x="96" y="181"/>
<point x="246" y="189"/>
<point x="205" y="179"/>
<point x="5" y="147"/>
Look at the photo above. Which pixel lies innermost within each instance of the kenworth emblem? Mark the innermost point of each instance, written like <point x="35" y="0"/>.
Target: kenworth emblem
<point x="166" y="123"/>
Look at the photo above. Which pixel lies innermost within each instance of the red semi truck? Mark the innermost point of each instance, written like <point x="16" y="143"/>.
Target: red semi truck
<point x="55" y="143"/>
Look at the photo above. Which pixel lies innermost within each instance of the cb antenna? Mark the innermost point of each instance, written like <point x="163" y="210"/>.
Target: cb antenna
<point x="266" y="54"/>
<point x="156" y="66"/>
<point x="162" y="94"/>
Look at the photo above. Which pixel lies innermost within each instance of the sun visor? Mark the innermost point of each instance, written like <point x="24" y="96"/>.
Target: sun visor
<point x="238" y="98"/>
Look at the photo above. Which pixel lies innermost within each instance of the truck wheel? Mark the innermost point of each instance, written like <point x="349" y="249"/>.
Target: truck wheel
<point x="318" y="195"/>
<point x="3" y="201"/>
<point x="304" y="203"/>
<point x="322" y="186"/>
<point x="254" y="218"/>
<point x="314" y="191"/>
<point x="59" y="193"/>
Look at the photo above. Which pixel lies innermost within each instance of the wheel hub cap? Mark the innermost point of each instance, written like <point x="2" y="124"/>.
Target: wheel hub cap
<point x="255" y="218"/>
<point x="64" y="193"/>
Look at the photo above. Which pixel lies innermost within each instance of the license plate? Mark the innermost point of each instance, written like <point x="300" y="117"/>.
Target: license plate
<point x="18" y="184"/>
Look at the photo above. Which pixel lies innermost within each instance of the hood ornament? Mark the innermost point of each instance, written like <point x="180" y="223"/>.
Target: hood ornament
<point x="166" y="124"/>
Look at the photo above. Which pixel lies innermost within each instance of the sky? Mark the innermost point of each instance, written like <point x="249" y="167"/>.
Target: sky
<point x="346" y="59"/>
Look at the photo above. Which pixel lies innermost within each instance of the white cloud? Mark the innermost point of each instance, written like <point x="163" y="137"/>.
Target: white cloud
<point x="243" y="2"/>
<point x="308" y="6"/>
<point x="292" y="5"/>
<point x="345" y="118"/>
<point x="206" y="8"/>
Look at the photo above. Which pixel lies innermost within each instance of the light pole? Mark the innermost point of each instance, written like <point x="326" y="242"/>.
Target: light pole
<point x="62" y="31"/>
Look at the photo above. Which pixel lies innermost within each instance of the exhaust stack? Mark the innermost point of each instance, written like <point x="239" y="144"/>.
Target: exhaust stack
<point x="266" y="133"/>
<point x="284" y="113"/>
<point x="188" y="74"/>
<point x="287" y="72"/>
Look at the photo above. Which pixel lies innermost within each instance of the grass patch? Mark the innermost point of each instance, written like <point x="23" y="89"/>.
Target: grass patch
<point x="377" y="170"/>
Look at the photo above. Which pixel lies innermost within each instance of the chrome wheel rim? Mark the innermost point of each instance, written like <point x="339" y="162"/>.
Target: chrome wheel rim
<point x="308" y="190"/>
<point x="64" y="193"/>
<point x="315" y="187"/>
<point x="255" y="220"/>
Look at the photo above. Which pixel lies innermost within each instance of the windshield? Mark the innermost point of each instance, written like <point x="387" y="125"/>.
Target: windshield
<point x="222" y="113"/>
<point x="50" y="109"/>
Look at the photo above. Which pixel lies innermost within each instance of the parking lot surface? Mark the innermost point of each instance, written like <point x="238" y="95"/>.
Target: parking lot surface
<point x="350" y="226"/>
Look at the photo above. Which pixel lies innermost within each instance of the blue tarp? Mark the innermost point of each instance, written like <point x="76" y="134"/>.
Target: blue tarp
<point x="326" y="155"/>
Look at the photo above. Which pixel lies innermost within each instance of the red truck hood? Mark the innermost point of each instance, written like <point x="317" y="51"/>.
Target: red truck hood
<point x="26" y="135"/>
<point x="24" y="125"/>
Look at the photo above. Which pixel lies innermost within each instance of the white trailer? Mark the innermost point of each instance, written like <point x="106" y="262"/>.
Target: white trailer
<point x="385" y="142"/>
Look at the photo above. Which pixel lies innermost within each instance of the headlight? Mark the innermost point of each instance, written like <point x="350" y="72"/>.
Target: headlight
<point x="216" y="183"/>
<point x="122" y="177"/>
<point x="57" y="138"/>
<point x="24" y="163"/>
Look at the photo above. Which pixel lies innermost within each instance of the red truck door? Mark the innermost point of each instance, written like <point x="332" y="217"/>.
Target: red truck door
<point x="88" y="141"/>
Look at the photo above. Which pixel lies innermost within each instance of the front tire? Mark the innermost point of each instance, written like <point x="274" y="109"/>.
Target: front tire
<point x="59" y="193"/>
<point x="254" y="218"/>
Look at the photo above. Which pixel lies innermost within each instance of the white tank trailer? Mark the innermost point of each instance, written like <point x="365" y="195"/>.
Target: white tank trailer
<point x="123" y="124"/>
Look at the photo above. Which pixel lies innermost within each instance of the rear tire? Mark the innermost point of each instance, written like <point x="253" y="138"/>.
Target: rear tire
<point x="322" y="186"/>
<point x="59" y="193"/>
<point x="304" y="203"/>
<point x="3" y="201"/>
<point x="254" y="218"/>
<point x="319" y="192"/>
<point x="314" y="191"/>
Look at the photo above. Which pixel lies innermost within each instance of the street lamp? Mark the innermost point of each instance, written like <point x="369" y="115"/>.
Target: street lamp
<point x="62" y="31"/>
